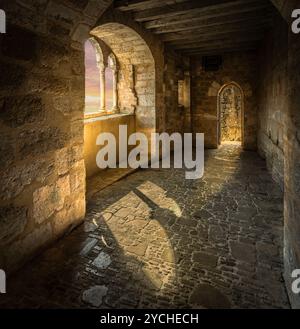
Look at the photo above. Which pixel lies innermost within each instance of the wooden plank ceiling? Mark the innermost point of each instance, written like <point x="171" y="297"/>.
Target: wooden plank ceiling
<point x="204" y="27"/>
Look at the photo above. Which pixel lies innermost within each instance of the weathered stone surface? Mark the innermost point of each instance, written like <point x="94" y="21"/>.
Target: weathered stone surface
<point x="90" y="227"/>
<point x="12" y="223"/>
<point x="16" y="111"/>
<point x="7" y="150"/>
<point x="102" y="261"/>
<point x="39" y="141"/>
<point x="19" y="251"/>
<point x="49" y="199"/>
<point x="77" y="177"/>
<point x="205" y="259"/>
<point x="16" y="178"/>
<point x="94" y="295"/>
<point x="273" y="100"/>
<point x="206" y="86"/>
<point x="41" y="119"/>
<point x="209" y="297"/>
<point x="243" y="252"/>
<point x="221" y="261"/>
<point x="267" y="249"/>
<point x="139" y="249"/>
<point x="202" y="214"/>
<point x="88" y="246"/>
<point x="70" y="216"/>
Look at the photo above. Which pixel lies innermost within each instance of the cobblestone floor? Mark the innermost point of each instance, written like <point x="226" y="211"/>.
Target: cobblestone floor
<point x="157" y="240"/>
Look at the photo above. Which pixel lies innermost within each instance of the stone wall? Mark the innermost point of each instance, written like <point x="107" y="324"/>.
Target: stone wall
<point x="42" y="192"/>
<point x="273" y="98"/>
<point x="291" y="145"/>
<point x="174" y="71"/>
<point x="292" y="161"/>
<point x="42" y="110"/>
<point x="292" y="169"/>
<point x="205" y="86"/>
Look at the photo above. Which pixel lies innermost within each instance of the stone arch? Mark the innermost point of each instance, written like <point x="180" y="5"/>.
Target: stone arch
<point x="95" y="75"/>
<point x="136" y="73"/>
<point x="233" y="116"/>
<point x="99" y="53"/>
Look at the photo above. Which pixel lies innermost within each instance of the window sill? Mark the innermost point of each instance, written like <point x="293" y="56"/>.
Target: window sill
<point x="88" y="118"/>
<point x="97" y="114"/>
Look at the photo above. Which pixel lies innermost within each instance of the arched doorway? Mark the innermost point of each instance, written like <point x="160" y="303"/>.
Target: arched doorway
<point x="231" y="114"/>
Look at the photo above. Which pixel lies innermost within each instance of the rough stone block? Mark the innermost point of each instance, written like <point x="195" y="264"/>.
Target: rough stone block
<point x="41" y="140"/>
<point x="243" y="252"/>
<point x="20" y="250"/>
<point x="69" y="216"/>
<point x="17" y="177"/>
<point x="48" y="199"/>
<point x="17" y="111"/>
<point x="12" y="223"/>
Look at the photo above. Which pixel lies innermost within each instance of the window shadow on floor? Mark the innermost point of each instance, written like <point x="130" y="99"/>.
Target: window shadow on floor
<point x="157" y="240"/>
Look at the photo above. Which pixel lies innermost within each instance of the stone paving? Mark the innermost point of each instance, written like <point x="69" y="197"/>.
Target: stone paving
<point x="156" y="240"/>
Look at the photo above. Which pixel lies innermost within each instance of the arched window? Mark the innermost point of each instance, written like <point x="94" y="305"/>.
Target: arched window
<point x="101" y="95"/>
<point x="230" y="113"/>
<point x="92" y="78"/>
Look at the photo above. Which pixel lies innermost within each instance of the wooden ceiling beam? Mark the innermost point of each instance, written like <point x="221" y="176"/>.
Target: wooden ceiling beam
<point x="211" y="31"/>
<point x="255" y="34"/>
<point x="217" y="43"/>
<point x="137" y="5"/>
<point x="218" y="51"/>
<point x="238" y="7"/>
<point x="182" y="8"/>
<point x="258" y="16"/>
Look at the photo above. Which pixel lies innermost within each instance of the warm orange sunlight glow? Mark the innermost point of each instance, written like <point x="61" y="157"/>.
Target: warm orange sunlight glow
<point x="92" y="80"/>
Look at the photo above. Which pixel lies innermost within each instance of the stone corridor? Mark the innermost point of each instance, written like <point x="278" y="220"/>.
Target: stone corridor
<point x="156" y="240"/>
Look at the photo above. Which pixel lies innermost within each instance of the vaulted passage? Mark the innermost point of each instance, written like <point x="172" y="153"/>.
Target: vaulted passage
<point x="74" y="233"/>
<point x="156" y="240"/>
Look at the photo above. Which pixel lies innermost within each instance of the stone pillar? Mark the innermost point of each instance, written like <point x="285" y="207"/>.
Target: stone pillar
<point x="102" y="86"/>
<point x="115" y="108"/>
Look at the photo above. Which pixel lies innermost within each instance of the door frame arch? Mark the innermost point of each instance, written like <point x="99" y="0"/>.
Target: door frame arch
<point x="219" y="111"/>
